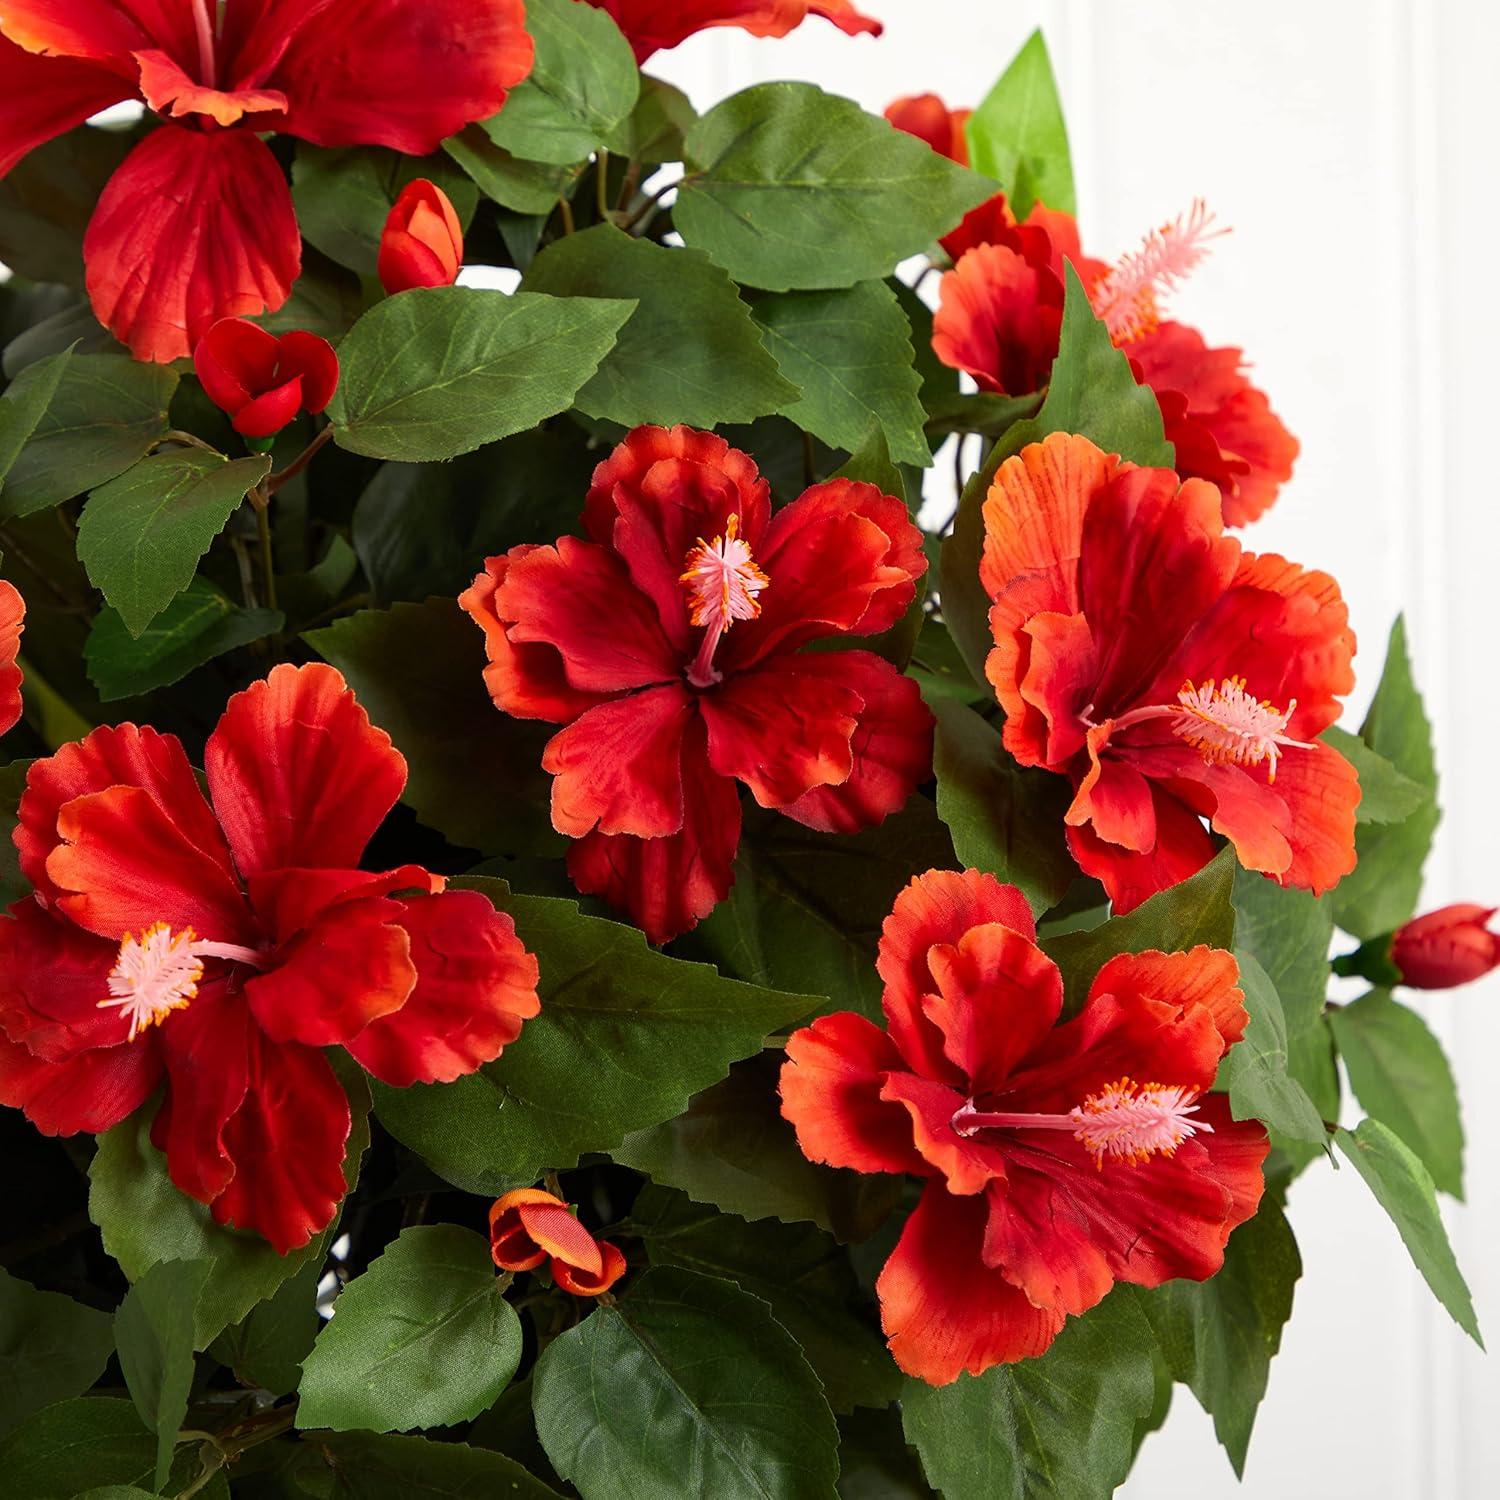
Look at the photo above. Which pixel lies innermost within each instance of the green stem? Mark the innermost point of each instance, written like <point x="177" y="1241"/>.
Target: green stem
<point x="601" y="184"/>
<point x="262" y="503"/>
<point x="567" y="215"/>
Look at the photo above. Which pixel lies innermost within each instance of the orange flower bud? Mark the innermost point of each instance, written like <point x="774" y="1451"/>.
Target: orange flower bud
<point x="529" y="1226"/>
<point x="1447" y="947"/>
<point x="422" y="243"/>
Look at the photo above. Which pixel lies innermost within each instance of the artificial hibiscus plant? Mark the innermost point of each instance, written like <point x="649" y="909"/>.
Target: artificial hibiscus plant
<point x="579" y="920"/>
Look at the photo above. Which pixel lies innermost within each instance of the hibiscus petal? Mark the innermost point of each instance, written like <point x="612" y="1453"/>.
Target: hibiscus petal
<point x="12" y="620"/>
<point x="943" y="1309"/>
<point x="831" y="1092"/>
<point x="891" y="747"/>
<point x="107" y="31"/>
<point x="476" y="984"/>
<point x="967" y="1165"/>
<point x="653" y="25"/>
<point x="1321" y="792"/>
<point x="90" y="1091"/>
<point x="298" y="774"/>
<point x="560" y="1234"/>
<point x="1182" y="848"/>
<point x="45" y="96"/>
<point x="194" y="226"/>
<point x="1202" y="976"/>
<point x="998" y="320"/>
<point x="1052" y="683"/>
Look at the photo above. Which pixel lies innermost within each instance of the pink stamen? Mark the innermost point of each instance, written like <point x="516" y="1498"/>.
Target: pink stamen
<point x="1125" y="1121"/>
<point x="722" y="583"/>
<point x="159" y="972"/>
<point x="1126" y="299"/>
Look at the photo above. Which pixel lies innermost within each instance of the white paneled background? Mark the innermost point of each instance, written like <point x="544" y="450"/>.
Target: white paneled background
<point x="1352" y="145"/>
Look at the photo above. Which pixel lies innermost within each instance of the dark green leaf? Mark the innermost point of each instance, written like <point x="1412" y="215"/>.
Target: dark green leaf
<point x="424" y="1338"/>
<point x="1403" y="1188"/>
<point x="24" y="405"/>
<point x="875" y="1460"/>
<point x="362" y="1466"/>
<point x="13" y="884"/>
<point x="51" y="1348"/>
<point x="267" y="1346"/>
<point x="326" y="299"/>
<point x="583" y="84"/>
<point x="1385" y="795"/>
<point x="799" y="1270"/>
<point x="1003" y="819"/>
<point x="731" y="1406"/>
<point x="653" y="131"/>
<point x="1383" y="890"/>
<point x="525" y="187"/>
<point x="1059" y="1427"/>
<point x="850" y="351"/>
<point x="1400" y="1076"/>
<point x="344" y="196"/>
<point x="104" y="415"/>
<point x="474" y="774"/>
<point x="790" y="188"/>
<point x="1018" y="137"/>
<point x="143" y="533"/>
<point x="443" y="370"/>
<point x="982" y="412"/>
<point x="71" y="327"/>
<point x="1196" y="911"/>
<point x="198" y="625"/>
<point x="154" y="1332"/>
<point x="625" y="1037"/>
<point x="144" y="1219"/>
<point x="939" y="667"/>
<point x="732" y="1148"/>
<point x="1219" y="1336"/>
<point x="690" y="351"/>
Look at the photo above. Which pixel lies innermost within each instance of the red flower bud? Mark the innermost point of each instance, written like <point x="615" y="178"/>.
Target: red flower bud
<point x="529" y="1226"/>
<point x="1446" y="947"/>
<point x="263" y="381"/>
<point x="422" y="243"/>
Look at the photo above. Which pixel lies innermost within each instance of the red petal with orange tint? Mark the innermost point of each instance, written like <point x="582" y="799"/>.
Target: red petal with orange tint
<point x="998" y="320"/>
<point x="45" y="96"/>
<point x="556" y="1230"/>
<point x="1202" y="976"/>
<point x="1182" y="848"/>
<point x="12" y="621"/>
<point x="653" y="25"/>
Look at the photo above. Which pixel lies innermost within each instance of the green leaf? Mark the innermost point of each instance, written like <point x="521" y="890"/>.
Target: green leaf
<point x="1313" y="1062"/>
<point x="732" y="1148"/>
<point x="653" y="131"/>
<point x="525" y="187"/>
<point x="1003" y="819"/>
<point x="802" y="1273"/>
<point x="145" y="1220"/>
<point x="198" y="625"/>
<point x="1018" y="137"/>
<point x="1197" y="910"/>
<point x="850" y="351"/>
<point x="362" y="1466"/>
<point x="51" y="1348"/>
<point x="142" y="534"/>
<point x="690" y="351"/>
<point x="25" y="403"/>
<point x="267" y="1346"/>
<point x="982" y="412"/>
<point x="731" y="1406"/>
<point x="424" y="1338"/>
<point x="344" y="195"/>
<point x="790" y="188"/>
<point x="1255" y="1069"/>
<point x="1401" y="1077"/>
<point x="625" y="1037"/>
<point x="1058" y="1427"/>
<point x="1383" y="890"/>
<point x="1093" y="393"/>
<point x="1385" y="795"/>
<point x="474" y="774"/>
<point x="1403" y="1188"/>
<point x="423" y="529"/>
<point x="1288" y="932"/>
<point x="13" y="884"/>
<point x="103" y="416"/>
<point x="583" y="84"/>
<point x="154" y="1332"/>
<point x="1219" y="1336"/>
<point x="441" y="371"/>
<point x="875" y="1460"/>
<point x="939" y="667"/>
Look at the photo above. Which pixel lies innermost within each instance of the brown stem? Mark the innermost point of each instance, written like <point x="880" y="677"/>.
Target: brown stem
<point x="299" y="463"/>
<point x="567" y="215"/>
<point x="601" y="184"/>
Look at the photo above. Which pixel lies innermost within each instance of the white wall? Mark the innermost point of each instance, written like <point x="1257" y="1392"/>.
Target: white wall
<point x="1351" y="144"/>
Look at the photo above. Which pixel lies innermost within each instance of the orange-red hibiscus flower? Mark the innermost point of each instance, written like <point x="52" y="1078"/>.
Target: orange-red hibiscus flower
<point x="197" y="223"/>
<point x="654" y="25"/>
<point x="1171" y="675"/>
<point x="1059" y="1158"/>
<point x="529" y="1226"/>
<point x="223" y="944"/>
<point x="670" y="645"/>
<point x="12" y="619"/>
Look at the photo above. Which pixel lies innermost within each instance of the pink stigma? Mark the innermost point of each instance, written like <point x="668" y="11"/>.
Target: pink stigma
<point x="1229" y="726"/>
<point x="722" y="584"/>
<point x="159" y="972"/>
<point x="1126" y="299"/>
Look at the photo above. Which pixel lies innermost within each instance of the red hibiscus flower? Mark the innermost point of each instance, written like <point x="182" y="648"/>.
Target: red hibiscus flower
<point x="654" y="25"/>
<point x="929" y="119"/>
<point x="423" y="242"/>
<point x="1059" y="1159"/>
<point x="223" y="944"/>
<point x="12" y="619"/>
<point x="1169" y="674"/>
<point x="670" y="645"/>
<point x="197" y="224"/>
<point x="1450" y="946"/>
<point x="528" y="1227"/>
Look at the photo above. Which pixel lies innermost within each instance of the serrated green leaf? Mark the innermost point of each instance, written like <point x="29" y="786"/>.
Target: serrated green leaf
<point x="524" y="187"/>
<point x="441" y="371"/>
<point x="267" y="1346"/>
<point x="1058" y="1427"/>
<point x="1404" y="1189"/>
<point x="1288" y="931"/>
<point x="363" y="1466"/>
<point x="690" y="352"/>
<point x="424" y="1338"/>
<point x="732" y="1408"/>
<point x="791" y="189"/>
<point x="51" y="1348"/>
<point x="143" y="533"/>
<point x="625" y="1037"/>
<point x="850" y="352"/>
<point x="1400" y="1075"/>
<point x="24" y="404"/>
<point x="582" y="85"/>
<point x="1018" y="135"/>
<point x="1385" y="795"/>
<point x="198" y="625"/>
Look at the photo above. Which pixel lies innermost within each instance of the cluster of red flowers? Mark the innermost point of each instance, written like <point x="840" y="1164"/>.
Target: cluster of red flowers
<point x="529" y="1227"/>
